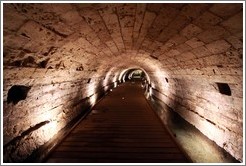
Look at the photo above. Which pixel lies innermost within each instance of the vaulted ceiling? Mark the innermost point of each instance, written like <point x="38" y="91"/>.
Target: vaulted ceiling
<point x="86" y="36"/>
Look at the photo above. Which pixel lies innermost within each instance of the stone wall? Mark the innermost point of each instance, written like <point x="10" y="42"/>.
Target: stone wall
<point x="216" y="115"/>
<point x="54" y="99"/>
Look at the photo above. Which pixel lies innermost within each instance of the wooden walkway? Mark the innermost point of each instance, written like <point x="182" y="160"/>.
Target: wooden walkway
<point x="121" y="128"/>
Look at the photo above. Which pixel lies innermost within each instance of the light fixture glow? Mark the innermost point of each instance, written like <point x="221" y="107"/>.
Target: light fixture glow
<point x="93" y="99"/>
<point x="107" y="77"/>
<point x="150" y="91"/>
<point x="91" y="89"/>
<point x="115" y="84"/>
<point x="48" y="131"/>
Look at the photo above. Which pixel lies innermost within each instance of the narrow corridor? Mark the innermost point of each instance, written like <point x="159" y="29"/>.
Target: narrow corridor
<point x="60" y="60"/>
<point x="120" y="128"/>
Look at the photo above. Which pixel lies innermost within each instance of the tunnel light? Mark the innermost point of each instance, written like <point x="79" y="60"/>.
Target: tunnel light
<point x="116" y="76"/>
<point x="211" y="131"/>
<point x="150" y="91"/>
<point x="93" y="99"/>
<point x="105" y="88"/>
<point x="115" y="84"/>
<point x="121" y="76"/>
<point x="46" y="115"/>
<point x="48" y="131"/>
<point x="106" y="80"/>
<point x="91" y="92"/>
<point x="153" y="85"/>
<point x="91" y="89"/>
<point x="147" y="96"/>
<point x="124" y="80"/>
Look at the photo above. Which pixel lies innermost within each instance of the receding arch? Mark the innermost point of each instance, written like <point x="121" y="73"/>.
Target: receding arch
<point x="124" y="73"/>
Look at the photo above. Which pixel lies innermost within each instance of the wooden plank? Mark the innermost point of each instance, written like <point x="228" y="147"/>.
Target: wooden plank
<point x="118" y="140"/>
<point x="76" y="160"/>
<point x="108" y="155"/>
<point x="121" y="135"/>
<point x="118" y="144"/>
<point x="115" y="149"/>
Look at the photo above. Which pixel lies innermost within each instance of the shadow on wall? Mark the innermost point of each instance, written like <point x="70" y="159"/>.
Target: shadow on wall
<point x="17" y="93"/>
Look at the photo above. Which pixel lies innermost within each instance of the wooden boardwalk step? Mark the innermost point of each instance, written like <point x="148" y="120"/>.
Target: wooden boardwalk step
<point x="119" y="131"/>
<point x="150" y="150"/>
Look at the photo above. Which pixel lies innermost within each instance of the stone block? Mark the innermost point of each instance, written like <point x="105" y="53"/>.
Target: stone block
<point x="140" y="11"/>
<point x="234" y="24"/>
<point x="177" y="39"/>
<point x="183" y="48"/>
<point x="225" y="10"/>
<point x="12" y="20"/>
<point x="172" y="53"/>
<point x="154" y="7"/>
<point x="213" y="33"/>
<point x="71" y="17"/>
<point x="186" y="56"/>
<point x="166" y="34"/>
<point x="218" y="46"/>
<point x="57" y="9"/>
<point x="194" y="43"/>
<point x="179" y="22"/>
<point x="192" y="11"/>
<point x="147" y="21"/>
<point x="15" y="41"/>
<point x="235" y="42"/>
<point x="35" y="32"/>
<point x="190" y="31"/>
<point x="165" y="16"/>
<point x="206" y="20"/>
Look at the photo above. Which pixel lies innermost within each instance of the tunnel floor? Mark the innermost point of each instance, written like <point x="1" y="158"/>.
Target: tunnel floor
<point x="121" y="128"/>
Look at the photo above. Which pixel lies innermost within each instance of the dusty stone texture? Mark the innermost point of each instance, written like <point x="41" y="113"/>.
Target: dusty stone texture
<point x="70" y="53"/>
<point x="55" y="97"/>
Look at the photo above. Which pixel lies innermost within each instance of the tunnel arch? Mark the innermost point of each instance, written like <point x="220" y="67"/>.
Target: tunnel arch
<point x="124" y="72"/>
<point x="193" y="46"/>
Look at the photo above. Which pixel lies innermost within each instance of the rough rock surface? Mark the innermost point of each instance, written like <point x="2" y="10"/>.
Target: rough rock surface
<point x="69" y="53"/>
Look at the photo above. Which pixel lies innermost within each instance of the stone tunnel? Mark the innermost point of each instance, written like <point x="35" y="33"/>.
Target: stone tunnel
<point x="60" y="59"/>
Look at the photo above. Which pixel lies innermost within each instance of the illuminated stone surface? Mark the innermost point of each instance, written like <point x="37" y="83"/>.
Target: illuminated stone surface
<point x="56" y="48"/>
